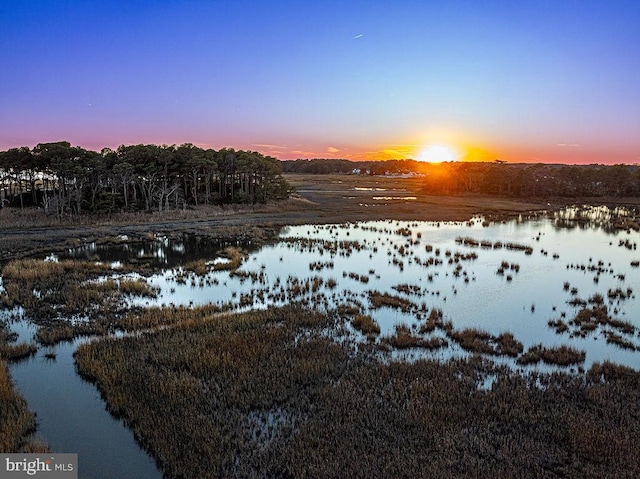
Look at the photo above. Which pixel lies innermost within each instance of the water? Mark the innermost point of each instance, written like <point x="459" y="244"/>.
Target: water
<point x="477" y="297"/>
<point x="72" y="417"/>
<point x="360" y="258"/>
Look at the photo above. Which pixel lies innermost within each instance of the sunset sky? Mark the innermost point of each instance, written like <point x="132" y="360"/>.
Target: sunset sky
<point x="553" y="81"/>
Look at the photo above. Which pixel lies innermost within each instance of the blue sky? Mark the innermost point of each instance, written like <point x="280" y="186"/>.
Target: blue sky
<point x="545" y="81"/>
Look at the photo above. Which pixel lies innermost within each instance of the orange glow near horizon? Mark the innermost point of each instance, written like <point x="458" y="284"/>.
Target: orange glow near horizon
<point x="431" y="147"/>
<point x="478" y="154"/>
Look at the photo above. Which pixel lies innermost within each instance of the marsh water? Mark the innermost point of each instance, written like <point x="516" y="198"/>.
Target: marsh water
<point x="72" y="417"/>
<point x="515" y="276"/>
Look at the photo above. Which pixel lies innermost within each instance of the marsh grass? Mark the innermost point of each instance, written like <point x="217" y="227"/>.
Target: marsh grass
<point x="33" y="270"/>
<point x="198" y="267"/>
<point x="12" y="352"/>
<point x="347" y="309"/>
<point x="235" y="256"/>
<point x="52" y="293"/>
<point x="559" y="325"/>
<point x="262" y="425"/>
<point x="379" y="300"/>
<point x="404" y="339"/>
<point x="48" y="289"/>
<point x="478" y="341"/>
<point x="407" y="288"/>
<point x="137" y="287"/>
<point x="269" y="394"/>
<point x="156" y="317"/>
<point x="620" y="341"/>
<point x="590" y="319"/>
<point x="17" y="423"/>
<point x="561" y="355"/>
<point x="365" y="324"/>
<point x="59" y="330"/>
<point x="474" y="243"/>
<point x="434" y="320"/>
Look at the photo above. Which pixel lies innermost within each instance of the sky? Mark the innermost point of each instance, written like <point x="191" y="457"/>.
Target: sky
<point x="546" y="81"/>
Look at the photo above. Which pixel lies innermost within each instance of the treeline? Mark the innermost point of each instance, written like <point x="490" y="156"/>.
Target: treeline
<point x="533" y="180"/>
<point x="321" y="166"/>
<point x="496" y="178"/>
<point x="69" y="180"/>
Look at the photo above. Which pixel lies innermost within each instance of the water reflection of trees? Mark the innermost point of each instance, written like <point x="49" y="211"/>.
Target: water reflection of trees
<point x="157" y="252"/>
<point x="585" y="217"/>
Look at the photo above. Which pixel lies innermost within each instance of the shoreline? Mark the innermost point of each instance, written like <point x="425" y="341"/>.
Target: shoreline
<point x="320" y="199"/>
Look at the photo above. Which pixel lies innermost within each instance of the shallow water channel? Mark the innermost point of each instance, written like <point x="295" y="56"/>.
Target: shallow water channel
<point x="514" y="276"/>
<point x="72" y="417"/>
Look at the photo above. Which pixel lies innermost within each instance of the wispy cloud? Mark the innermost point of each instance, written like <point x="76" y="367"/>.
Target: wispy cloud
<point x="358" y="36"/>
<point x="303" y="153"/>
<point x="395" y="153"/>
<point x="568" y="145"/>
<point x="271" y="147"/>
<point x="332" y="149"/>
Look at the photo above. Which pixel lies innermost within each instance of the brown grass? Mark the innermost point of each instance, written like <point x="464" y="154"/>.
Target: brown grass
<point x="199" y="267"/>
<point x="12" y="352"/>
<point x="589" y="319"/>
<point x="561" y="355"/>
<point x="346" y="309"/>
<point x="137" y="287"/>
<point x="235" y="257"/>
<point x="279" y="396"/>
<point x="478" y="341"/>
<point x="51" y="292"/>
<point x="365" y="324"/>
<point x="17" y="422"/>
<point x="379" y="300"/>
<point x="433" y="321"/>
<point x="404" y="339"/>
<point x="334" y="196"/>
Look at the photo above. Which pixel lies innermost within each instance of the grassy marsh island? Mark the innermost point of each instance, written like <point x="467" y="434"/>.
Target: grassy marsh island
<point x="267" y="393"/>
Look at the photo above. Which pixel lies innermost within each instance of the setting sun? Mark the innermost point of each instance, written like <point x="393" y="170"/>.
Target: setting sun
<point x="437" y="154"/>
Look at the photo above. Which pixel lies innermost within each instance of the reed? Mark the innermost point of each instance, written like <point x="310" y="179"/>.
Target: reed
<point x="235" y="256"/>
<point x="379" y="300"/>
<point x="559" y="325"/>
<point x="137" y="287"/>
<point x="407" y="288"/>
<point x="404" y="339"/>
<point x="18" y="423"/>
<point x="478" y="341"/>
<point x="198" y="267"/>
<point x="12" y="352"/>
<point x="365" y="324"/>
<point x="267" y="392"/>
<point x="561" y="355"/>
<point x="434" y="320"/>
<point x="621" y="342"/>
